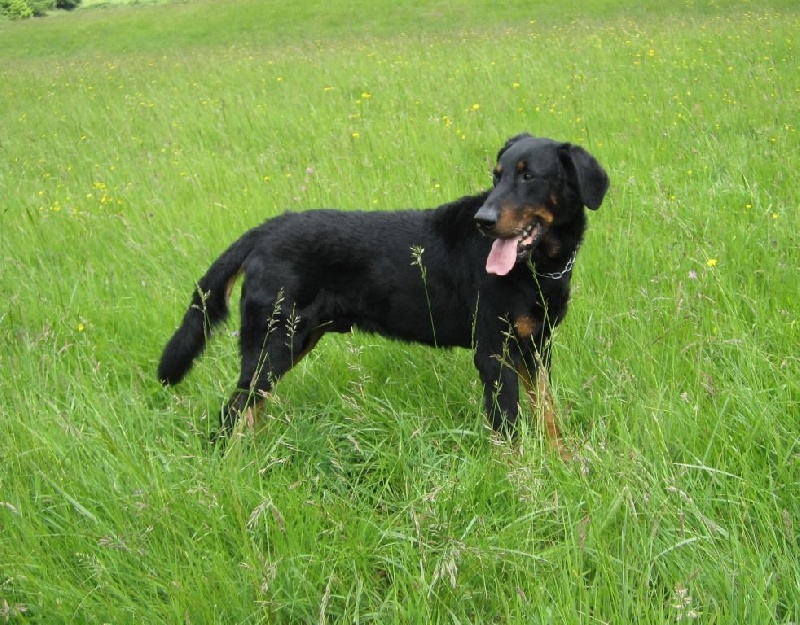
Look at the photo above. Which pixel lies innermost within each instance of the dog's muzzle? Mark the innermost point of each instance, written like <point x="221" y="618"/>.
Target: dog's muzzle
<point x="507" y="251"/>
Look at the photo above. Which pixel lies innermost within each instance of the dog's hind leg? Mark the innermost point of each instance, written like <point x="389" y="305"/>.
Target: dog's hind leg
<point x="273" y="339"/>
<point x="261" y="369"/>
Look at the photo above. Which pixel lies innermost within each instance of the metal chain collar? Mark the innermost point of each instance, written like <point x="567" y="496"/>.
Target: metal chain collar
<point x="557" y="275"/>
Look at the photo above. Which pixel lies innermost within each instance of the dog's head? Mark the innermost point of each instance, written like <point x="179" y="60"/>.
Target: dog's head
<point x="538" y="185"/>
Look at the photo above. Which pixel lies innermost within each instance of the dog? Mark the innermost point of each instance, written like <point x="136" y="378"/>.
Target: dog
<point x="488" y="272"/>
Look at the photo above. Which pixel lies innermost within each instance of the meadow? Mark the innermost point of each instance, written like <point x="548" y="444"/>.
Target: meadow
<point x="136" y="142"/>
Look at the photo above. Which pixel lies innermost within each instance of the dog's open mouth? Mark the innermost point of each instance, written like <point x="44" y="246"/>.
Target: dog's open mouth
<point x="506" y="252"/>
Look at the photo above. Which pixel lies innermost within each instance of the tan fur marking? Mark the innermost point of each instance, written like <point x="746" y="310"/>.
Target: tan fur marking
<point x="509" y="223"/>
<point x="541" y="399"/>
<point x="230" y="284"/>
<point x="514" y="218"/>
<point x="498" y="169"/>
<point x="551" y="247"/>
<point x="252" y="414"/>
<point x="250" y="417"/>
<point x="521" y="165"/>
<point x="524" y="326"/>
<point x="542" y="213"/>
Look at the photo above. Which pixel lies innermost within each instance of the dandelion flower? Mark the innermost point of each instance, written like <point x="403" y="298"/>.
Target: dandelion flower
<point x="711" y="262"/>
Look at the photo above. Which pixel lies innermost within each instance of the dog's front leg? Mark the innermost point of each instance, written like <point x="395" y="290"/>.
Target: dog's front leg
<point x="537" y="388"/>
<point x="500" y="390"/>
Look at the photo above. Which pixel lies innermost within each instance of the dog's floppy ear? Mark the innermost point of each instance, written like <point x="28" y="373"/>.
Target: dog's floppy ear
<point x="589" y="177"/>
<point x="511" y="142"/>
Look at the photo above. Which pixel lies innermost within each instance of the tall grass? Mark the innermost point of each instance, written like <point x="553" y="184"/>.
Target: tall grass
<point x="138" y="142"/>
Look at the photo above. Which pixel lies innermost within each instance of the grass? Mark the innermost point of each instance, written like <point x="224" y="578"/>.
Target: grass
<point x="137" y="142"/>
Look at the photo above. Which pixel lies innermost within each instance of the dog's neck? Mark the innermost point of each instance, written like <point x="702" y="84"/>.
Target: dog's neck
<point x="556" y="253"/>
<point x="557" y="275"/>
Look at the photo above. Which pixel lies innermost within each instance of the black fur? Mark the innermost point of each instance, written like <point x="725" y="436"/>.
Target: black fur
<point x="321" y="271"/>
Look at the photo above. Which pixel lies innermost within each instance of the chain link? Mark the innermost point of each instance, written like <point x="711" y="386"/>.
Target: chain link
<point x="557" y="275"/>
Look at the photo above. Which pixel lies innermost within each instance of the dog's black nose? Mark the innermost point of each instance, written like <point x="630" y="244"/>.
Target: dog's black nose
<point x="486" y="217"/>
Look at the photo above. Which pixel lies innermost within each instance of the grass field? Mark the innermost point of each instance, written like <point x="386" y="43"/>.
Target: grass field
<point x="137" y="142"/>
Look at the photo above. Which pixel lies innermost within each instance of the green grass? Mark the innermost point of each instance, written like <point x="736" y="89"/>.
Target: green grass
<point x="137" y="142"/>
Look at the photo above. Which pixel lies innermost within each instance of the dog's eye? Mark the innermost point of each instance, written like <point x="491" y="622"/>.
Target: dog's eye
<point x="527" y="176"/>
<point x="495" y="178"/>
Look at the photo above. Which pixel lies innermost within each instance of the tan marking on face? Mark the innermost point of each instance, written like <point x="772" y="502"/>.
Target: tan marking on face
<point x="538" y="211"/>
<point x="509" y="224"/>
<point x="513" y="219"/>
<point x="498" y="170"/>
<point x="521" y="165"/>
<point x="541" y="399"/>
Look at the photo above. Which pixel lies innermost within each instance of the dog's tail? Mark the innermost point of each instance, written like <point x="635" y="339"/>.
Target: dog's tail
<point x="208" y="308"/>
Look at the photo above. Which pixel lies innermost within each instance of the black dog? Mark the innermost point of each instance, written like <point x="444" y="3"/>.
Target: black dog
<point x="490" y="272"/>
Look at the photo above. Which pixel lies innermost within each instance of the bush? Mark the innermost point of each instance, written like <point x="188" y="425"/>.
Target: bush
<point x="41" y="7"/>
<point x="15" y="9"/>
<point x="21" y="9"/>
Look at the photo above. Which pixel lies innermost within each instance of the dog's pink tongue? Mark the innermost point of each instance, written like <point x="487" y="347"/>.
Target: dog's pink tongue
<point x="502" y="257"/>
